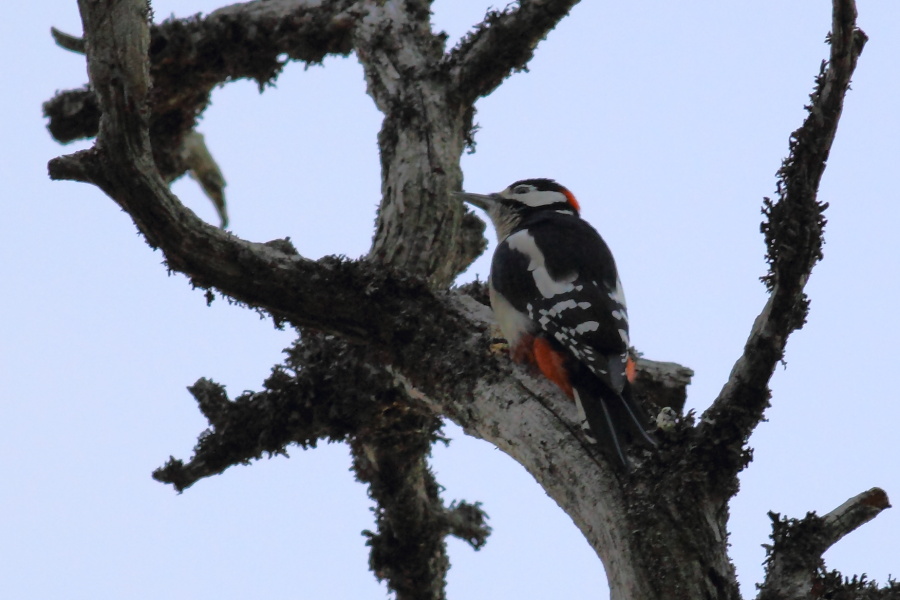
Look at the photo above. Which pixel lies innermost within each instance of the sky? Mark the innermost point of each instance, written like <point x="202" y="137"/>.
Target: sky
<point x="667" y="121"/>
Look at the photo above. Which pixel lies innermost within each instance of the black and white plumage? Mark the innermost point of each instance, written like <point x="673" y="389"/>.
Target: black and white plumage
<point x="558" y="300"/>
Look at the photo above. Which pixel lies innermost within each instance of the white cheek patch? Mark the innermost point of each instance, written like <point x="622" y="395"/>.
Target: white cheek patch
<point x="523" y="242"/>
<point x="536" y="198"/>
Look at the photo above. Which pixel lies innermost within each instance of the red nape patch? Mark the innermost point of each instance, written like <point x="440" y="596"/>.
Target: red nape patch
<point x="550" y="362"/>
<point x="571" y="198"/>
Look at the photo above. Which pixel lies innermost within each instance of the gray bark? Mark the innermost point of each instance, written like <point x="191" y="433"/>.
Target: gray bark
<point x="414" y="350"/>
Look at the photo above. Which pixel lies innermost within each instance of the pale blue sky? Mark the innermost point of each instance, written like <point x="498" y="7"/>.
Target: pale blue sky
<point x="667" y="120"/>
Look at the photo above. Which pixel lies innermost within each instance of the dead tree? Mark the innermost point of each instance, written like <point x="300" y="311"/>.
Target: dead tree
<point x="369" y="370"/>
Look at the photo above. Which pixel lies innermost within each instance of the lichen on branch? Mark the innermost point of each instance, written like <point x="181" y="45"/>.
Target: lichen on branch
<point x="793" y="230"/>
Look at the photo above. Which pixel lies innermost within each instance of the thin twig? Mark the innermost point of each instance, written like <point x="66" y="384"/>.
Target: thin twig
<point x="69" y="42"/>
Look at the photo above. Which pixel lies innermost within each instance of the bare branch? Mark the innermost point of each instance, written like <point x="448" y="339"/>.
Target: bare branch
<point x="793" y="231"/>
<point x="204" y="169"/>
<point x="834" y="586"/>
<point x="468" y="522"/>
<point x="486" y="394"/>
<point x="303" y="401"/>
<point x="853" y="513"/>
<point x="503" y="43"/>
<point x="302" y="408"/>
<point x="408" y="549"/>
<point x="290" y="287"/>
<point x="794" y="561"/>
<point x="336" y="395"/>
<point x="73" y="115"/>
<point x="661" y="385"/>
<point x="418" y="228"/>
<point x="69" y="42"/>
<point x="189" y="57"/>
<point x="287" y="285"/>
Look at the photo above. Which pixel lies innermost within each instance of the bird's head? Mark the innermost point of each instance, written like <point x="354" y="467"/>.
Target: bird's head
<point x="507" y="208"/>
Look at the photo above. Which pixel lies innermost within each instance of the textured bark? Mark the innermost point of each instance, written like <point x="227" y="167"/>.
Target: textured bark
<point x="190" y="57"/>
<point x="409" y="350"/>
<point x="794" y="565"/>
<point x="793" y="231"/>
<point x="505" y="41"/>
<point x="421" y="141"/>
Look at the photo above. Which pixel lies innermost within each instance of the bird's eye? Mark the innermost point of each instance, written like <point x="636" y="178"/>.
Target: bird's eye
<point x="522" y="189"/>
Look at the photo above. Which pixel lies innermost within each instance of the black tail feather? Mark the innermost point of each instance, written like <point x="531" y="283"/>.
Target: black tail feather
<point x="615" y="420"/>
<point x="638" y="418"/>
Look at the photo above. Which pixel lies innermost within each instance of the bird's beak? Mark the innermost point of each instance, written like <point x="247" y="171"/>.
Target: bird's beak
<point x="482" y="201"/>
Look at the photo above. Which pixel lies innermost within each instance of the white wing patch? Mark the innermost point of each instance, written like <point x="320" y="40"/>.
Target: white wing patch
<point x="587" y="326"/>
<point x="554" y="322"/>
<point x="523" y="241"/>
<point x="618" y="294"/>
<point x="561" y="306"/>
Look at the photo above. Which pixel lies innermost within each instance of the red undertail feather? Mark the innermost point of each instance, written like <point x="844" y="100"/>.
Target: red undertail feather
<point x="631" y="369"/>
<point x="538" y="352"/>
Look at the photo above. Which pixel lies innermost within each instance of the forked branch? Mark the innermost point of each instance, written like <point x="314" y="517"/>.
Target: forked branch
<point x="794" y="562"/>
<point x="503" y="43"/>
<point x="300" y="404"/>
<point x="793" y="230"/>
<point x="190" y="57"/>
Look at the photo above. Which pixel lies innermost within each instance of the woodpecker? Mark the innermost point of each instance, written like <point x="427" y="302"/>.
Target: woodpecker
<point x="558" y="300"/>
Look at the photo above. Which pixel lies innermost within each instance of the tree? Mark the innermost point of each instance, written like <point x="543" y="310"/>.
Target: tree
<point x="416" y="352"/>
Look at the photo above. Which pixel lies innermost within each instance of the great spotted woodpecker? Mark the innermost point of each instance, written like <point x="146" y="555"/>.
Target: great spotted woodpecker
<point x="558" y="300"/>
